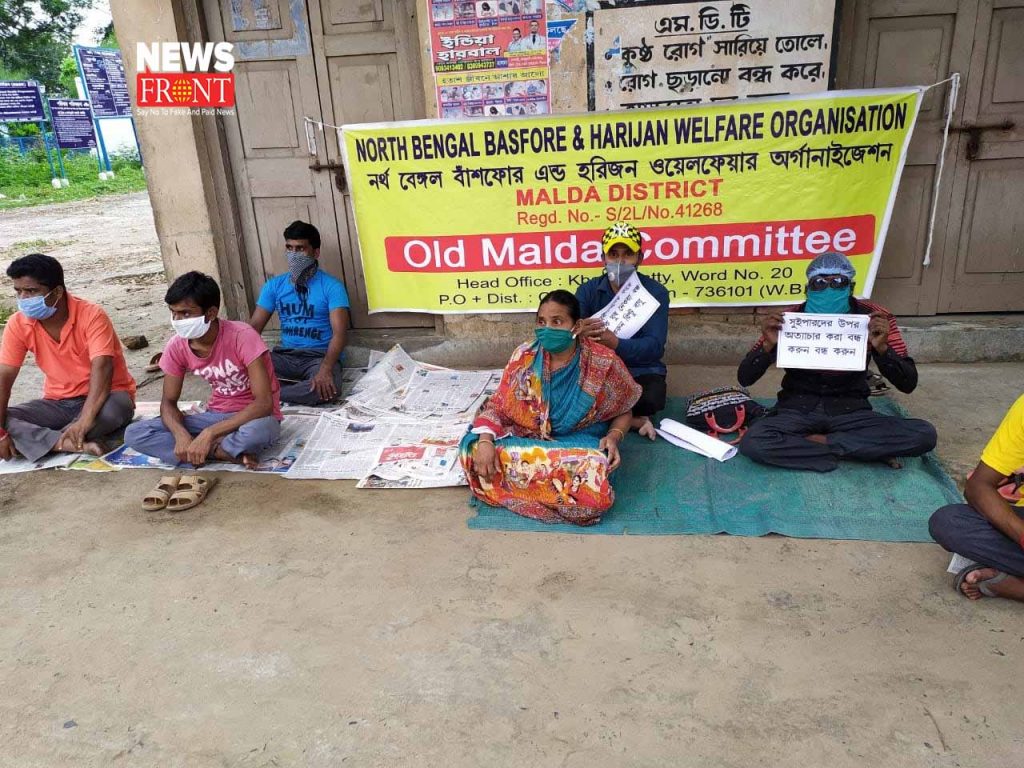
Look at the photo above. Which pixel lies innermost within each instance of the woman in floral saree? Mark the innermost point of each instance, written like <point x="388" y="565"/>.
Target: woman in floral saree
<point x="544" y="444"/>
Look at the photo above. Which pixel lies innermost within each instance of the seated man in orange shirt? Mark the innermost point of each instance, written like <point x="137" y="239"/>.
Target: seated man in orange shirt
<point x="88" y="392"/>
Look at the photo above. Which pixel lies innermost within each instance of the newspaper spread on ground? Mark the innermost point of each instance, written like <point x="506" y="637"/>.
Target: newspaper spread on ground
<point x="344" y="449"/>
<point x="444" y="393"/>
<point x="295" y="431"/>
<point x="50" y="461"/>
<point x="417" y="465"/>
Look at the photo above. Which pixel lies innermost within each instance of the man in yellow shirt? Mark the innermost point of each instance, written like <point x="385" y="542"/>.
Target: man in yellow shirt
<point x="988" y="529"/>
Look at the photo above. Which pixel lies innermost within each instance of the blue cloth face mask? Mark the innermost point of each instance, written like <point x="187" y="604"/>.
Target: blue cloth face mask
<point x="36" y="308"/>
<point x="619" y="273"/>
<point x="830" y="301"/>
<point x="553" y="339"/>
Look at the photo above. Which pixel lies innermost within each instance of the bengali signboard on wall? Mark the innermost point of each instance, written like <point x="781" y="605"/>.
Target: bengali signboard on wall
<point x="733" y="199"/>
<point x="490" y="57"/>
<point x="657" y="55"/>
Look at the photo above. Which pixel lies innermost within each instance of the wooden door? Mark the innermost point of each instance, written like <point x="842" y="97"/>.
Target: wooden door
<point x="281" y="170"/>
<point x="983" y="270"/>
<point x="889" y="43"/>
<point x="367" y="62"/>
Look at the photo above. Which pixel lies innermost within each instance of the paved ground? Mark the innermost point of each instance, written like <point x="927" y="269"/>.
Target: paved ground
<point x="311" y="624"/>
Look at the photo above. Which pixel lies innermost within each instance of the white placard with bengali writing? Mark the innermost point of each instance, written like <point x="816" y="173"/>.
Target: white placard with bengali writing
<point x="630" y="310"/>
<point x="823" y="342"/>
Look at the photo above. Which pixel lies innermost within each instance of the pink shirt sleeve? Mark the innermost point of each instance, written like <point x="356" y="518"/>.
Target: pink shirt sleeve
<point x="172" y="361"/>
<point x="249" y="345"/>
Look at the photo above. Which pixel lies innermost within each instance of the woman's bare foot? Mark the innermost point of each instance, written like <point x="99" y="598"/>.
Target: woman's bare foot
<point x="1012" y="587"/>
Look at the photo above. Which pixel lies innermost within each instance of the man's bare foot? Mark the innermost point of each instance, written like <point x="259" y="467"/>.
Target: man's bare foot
<point x="248" y="461"/>
<point x="1011" y="587"/>
<point x="820" y="439"/>
<point x="893" y="463"/>
<point x="91" y="447"/>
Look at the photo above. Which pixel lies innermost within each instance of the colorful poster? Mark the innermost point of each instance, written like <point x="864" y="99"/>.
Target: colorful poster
<point x="72" y="123"/>
<point x="20" y="102"/>
<point x="659" y="55"/>
<point x="490" y="57"/>
<point x="732" y="199"/>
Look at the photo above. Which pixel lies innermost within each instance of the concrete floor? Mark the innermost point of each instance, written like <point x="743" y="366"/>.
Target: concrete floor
<point x="311" y="624"/>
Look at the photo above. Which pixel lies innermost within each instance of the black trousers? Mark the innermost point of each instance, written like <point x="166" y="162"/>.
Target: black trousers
<point x="780" y="438"/>
<point x="652" y="399"/>
<point x="962" y="529"/>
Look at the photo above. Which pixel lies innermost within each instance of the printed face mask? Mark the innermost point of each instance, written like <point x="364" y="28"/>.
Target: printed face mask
<point x="36" y="308"/>
<point x="620" y="272"/>
<point x="191" y="327"/>
<point x="301" y="266"/>
<point x="553" y="339"/>
<point x="831" y="301"/>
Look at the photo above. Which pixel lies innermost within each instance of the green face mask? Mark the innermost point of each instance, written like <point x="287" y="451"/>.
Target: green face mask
<point x="553" y="339"/>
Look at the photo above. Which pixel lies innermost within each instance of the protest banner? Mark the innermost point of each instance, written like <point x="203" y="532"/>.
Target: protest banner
<point x="732" y="199"/>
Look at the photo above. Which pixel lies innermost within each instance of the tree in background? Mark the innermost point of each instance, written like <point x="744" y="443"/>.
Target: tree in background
<point x="35" y="36"/>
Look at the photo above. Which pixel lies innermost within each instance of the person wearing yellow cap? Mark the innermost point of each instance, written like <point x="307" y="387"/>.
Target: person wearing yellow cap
<point x="642" y="353"/>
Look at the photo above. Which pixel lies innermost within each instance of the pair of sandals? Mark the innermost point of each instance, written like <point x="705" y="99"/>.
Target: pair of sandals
<point x="176" y="494"/>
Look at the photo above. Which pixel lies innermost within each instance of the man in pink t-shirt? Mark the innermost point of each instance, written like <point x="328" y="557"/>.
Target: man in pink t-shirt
<point x="243" y="415"/>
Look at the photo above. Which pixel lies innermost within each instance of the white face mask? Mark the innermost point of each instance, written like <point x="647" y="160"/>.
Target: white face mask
<point x="191" y="327"/>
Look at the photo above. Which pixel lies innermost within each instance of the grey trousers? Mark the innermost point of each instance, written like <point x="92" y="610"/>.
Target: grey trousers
<point x="153" y="438"/>
<point x="962" y="529"/>
<point x="780" y="438"/>
<point x="300" y="366"/>
<point x="36" y="426"/>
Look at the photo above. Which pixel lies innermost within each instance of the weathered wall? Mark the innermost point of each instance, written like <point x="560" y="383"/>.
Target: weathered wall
<point x="173" y="150"/>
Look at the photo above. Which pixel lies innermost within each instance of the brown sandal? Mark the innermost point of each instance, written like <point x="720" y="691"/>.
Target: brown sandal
<point x="192" y="490"/>
<point x="157" y="498"/>
<point x="154" y="363"/>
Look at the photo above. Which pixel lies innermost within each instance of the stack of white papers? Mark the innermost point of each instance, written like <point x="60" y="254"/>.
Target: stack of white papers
<point x="697" y="442"/>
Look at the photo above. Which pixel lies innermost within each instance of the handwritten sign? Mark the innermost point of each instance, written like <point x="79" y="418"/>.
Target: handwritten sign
<point x="688" y="53"/>
<point x="823" y="342"/>
<point x="630" y="310"/>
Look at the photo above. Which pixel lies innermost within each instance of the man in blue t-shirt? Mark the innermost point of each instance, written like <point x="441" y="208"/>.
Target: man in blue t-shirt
<point x="642" y="353"/>
<point x="313" y="309"/>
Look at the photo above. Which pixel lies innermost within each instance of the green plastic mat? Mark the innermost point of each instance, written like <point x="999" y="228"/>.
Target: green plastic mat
<point x="662" y="489"/>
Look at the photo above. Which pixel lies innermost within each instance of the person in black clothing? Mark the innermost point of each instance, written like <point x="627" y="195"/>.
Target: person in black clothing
<point x="824" y="416"/>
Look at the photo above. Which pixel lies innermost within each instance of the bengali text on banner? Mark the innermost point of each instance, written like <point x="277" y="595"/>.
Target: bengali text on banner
<point x="732" y="199"/>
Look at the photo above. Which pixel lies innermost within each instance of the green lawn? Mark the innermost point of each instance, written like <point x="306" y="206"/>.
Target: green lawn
<point x="25" y="180"/>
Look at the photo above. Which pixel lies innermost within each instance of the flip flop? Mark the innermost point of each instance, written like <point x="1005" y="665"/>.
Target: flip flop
<point x="983" y="586"/>
<point x="192" y="490"/>
<point x="154" y="363"/>
<point x="157" y="498"/>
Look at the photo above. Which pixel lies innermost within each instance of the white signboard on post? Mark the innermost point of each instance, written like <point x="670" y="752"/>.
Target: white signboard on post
<point x="823" y="342"/>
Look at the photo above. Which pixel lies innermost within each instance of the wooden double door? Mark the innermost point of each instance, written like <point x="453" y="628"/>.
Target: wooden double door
<point x="336" y="62"/>
<point x="977" y="261"/>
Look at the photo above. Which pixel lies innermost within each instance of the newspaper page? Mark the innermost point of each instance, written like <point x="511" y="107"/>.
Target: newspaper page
<point x="415" y="466"/>
<point x="444" y="393"/>
<point x="50" y="461"/>
<point x="630" y="310"/>
<point x="343" y="449"/>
